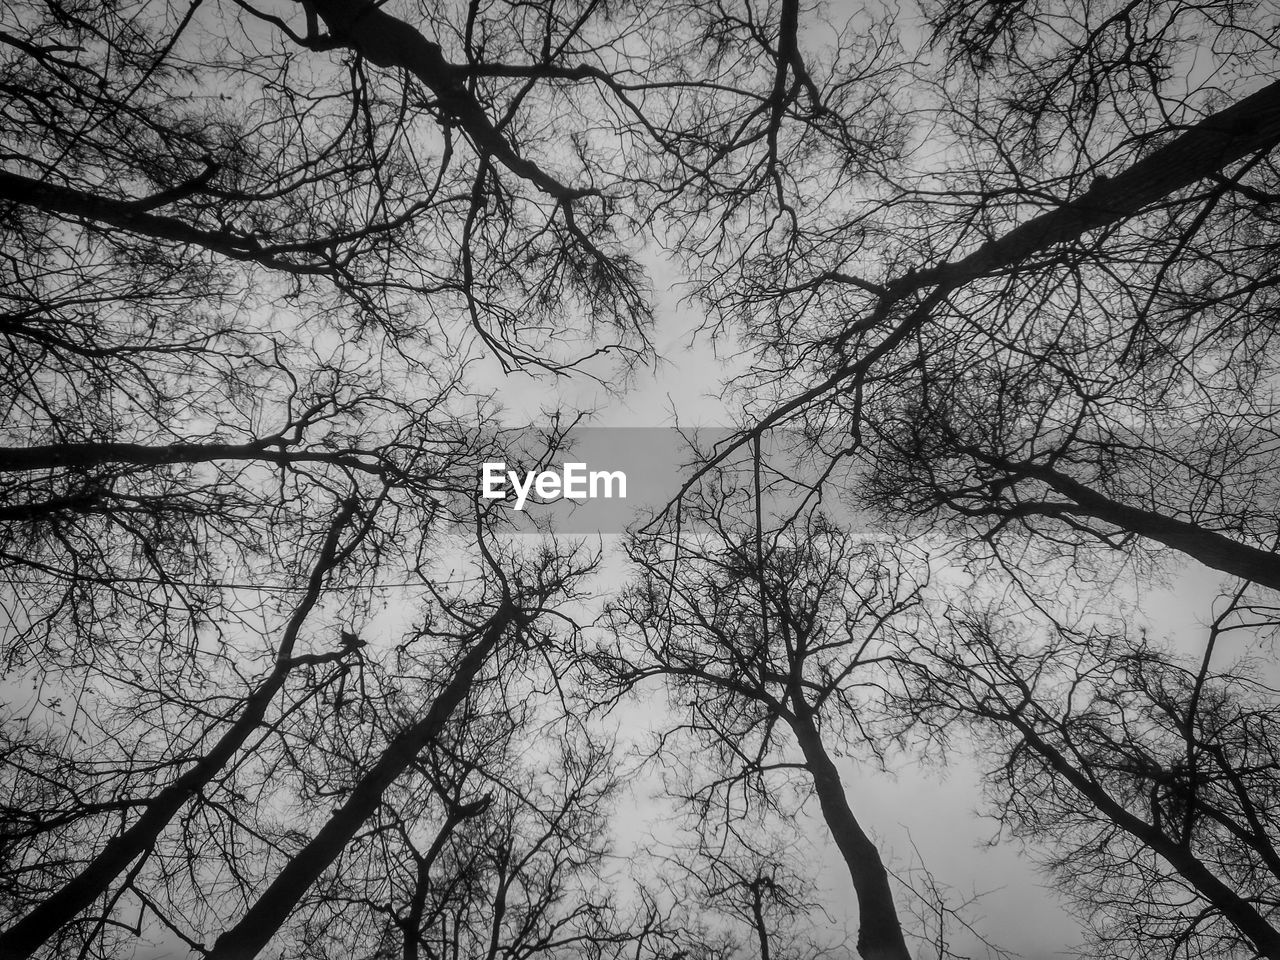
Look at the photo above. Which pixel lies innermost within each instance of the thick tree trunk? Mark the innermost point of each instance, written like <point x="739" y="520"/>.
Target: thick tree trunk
<point x="37" y="927"/>
<point x="53" y="456"/>
<point x="389" y="42"/>
<point x="879" y="930"/>
<point x="244" y="940"/>
<point x="1240" y="911"/>
<point x="133" y="216"/>
<point x="1209" y="547"/>
<point x="1202" y="150"/>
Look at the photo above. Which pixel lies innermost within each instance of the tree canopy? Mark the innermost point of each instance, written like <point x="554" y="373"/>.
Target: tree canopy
<point x="278" y="681"/>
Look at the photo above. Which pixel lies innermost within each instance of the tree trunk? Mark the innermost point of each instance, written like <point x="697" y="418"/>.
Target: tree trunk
<point x="389" y="42"/>
<point x="879" y="931"/>
<point x="1239" y="911"/>
<point x="244" y="940"/>
<point x="1211" y="548"/>
<point x="28" y="934"/>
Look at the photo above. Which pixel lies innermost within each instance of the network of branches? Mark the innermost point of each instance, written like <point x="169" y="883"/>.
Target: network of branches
<point x="998" y="276"/>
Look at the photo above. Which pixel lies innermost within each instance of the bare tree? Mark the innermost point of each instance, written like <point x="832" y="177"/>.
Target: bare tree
<point x="1019" y="280"/>
<point x="752" y="889"/>
<point x="1044" y="329"/>
<point x="1149" y="776"/>
<point x="240" y="259"/>
<point x="771" y="642"/>
<point x="1015" y="338"/>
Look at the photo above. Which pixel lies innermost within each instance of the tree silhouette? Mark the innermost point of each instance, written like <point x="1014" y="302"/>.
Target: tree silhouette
<point x="1005" y="271"/>
<point x="770" y="641"/>
<point x="1152" y="779"/>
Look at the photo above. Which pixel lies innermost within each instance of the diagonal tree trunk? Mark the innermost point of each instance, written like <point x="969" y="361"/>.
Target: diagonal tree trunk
<point x="273" y="450"/>
<point x="135" y="217"/>
<point x="269" y="912"/>
<point x="1202" y="150"/>
<point x="387" y="41"/>
<point x="1211" y="548"/>
<point x="40" y="924"/>
<point x="1240" y="910"/>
